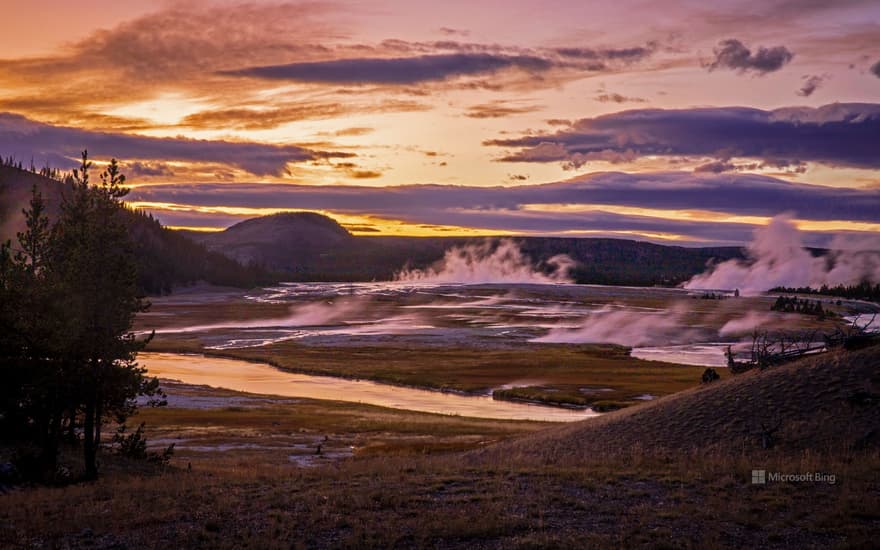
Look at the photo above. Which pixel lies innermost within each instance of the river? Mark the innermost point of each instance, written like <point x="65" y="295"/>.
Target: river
<point x="260" y="378"/>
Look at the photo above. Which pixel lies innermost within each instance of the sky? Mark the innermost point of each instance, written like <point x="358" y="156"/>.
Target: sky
<point x="680" y="122"/>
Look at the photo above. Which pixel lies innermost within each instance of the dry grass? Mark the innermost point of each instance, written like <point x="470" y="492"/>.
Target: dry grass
<point x="673" y="473"/>
<point x="811" y="403"/>
<point x="273" y="430"/>
<point x="698" y="500"/>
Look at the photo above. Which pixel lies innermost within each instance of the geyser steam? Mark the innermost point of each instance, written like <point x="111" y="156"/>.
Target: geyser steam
<point x="776" y="257"/>
<point x="485" y="263"/>
<point x="312" y="314"/>
<point x="610" y="325"/>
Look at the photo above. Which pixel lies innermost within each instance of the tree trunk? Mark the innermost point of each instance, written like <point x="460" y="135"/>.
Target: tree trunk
<point x="89" y="440"/>
<point x="71" y="426"/>
<point x="49" y="450"/>
<point x="98" y="415"/>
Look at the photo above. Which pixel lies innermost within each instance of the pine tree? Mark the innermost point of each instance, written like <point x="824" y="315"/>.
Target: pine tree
<point x="95" y="260"/>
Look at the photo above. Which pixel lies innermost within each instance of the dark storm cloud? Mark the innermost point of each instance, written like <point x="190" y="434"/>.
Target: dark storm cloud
<point x="396" y="71"/>
<point x="734" y="55"/>
<point x="839" y="134"/>
<point x="59" y="146"/>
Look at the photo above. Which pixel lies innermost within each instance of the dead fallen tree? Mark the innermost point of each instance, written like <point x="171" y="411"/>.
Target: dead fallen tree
<point x="771" y="349"/>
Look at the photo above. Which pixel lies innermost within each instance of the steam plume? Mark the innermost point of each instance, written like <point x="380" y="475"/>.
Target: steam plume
<point x="476" y="264"/>
<point x="313" y="314"/>
<point x="622" y="327"/>
<point x="747" y="323"/>
<point x="777" y="257"/>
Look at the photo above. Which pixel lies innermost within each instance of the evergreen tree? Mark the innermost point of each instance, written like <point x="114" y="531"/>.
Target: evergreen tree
<point x="69" y="297"/>
<point x="96" y="263"/>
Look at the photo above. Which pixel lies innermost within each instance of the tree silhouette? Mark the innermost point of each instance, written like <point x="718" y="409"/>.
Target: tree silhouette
<point x="70" y="295"/>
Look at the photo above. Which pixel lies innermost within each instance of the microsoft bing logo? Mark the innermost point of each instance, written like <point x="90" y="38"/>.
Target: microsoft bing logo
<point x="759" y="477"/>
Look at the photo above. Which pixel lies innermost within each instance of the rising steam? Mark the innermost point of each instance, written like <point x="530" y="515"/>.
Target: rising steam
<point x="776" y="257"/>
<point x="313" y="314"/>
<point x="485" y="263"/>
<point x="623" y="327"/>
<point x="747" y="323"/>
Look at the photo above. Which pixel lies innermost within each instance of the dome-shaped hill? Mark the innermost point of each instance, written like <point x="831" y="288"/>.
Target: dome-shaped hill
<point x="281" y="241"/>
<point x="829" y="402"/>
<point x="307" y="227"/>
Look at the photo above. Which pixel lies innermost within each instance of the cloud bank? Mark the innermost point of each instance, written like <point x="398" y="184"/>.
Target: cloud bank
<point x="396" y="71"/>
<point x="60" y="146"/>
<point x="589" y="204"/>
<point x="838" y="134"/>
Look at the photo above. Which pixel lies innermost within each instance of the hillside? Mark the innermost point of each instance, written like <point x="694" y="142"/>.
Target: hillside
<point x="165" y="258"/>
<point x="15" y="192"/>
<point x="311" y="247"/>
<point x="827" y="403"/>
<point x="292" y="242"/>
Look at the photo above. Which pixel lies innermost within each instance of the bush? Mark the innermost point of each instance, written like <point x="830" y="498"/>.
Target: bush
<point x="709" y="376"/>
<point x="134" y="446"/>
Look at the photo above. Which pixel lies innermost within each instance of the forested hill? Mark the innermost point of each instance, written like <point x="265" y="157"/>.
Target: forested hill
<point x="165" y="258"/>
<point x="310" y="247"/>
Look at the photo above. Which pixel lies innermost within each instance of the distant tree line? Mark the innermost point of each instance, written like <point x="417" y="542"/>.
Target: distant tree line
<point x="46" y="171"/>
<point x="69" y="294"/>
<point x="862" y="291"/>
<point x="793" y="304"/>
<point x="715" y="296"/>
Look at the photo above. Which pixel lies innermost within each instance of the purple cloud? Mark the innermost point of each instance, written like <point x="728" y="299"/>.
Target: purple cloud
<point x="839" y="134"/>
<point x="513" y="208"/>
<point x="396" y="71"/>
<point x="60" y="146"/>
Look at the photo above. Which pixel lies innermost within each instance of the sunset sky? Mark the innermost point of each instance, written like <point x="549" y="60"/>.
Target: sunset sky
<point x="683" y="122"/>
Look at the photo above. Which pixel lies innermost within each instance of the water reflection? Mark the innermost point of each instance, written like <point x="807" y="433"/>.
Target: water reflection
<point x="259" y="378"/>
